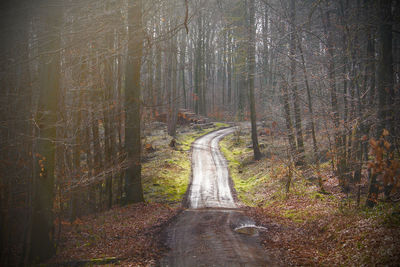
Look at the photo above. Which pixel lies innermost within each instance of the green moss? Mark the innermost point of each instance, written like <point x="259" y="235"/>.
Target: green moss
<point x="294" y="215"/>
<point x="221" y="125"/>
<point x="239" y="159"/>
<point x="264" y="182"/>
<point x="168" y="178"/>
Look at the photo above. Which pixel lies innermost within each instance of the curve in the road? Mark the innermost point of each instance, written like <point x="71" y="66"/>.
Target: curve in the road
<point x="210" y="182"/>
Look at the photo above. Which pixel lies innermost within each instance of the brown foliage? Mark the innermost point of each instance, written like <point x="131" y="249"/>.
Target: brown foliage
<point x="383" y="163"/>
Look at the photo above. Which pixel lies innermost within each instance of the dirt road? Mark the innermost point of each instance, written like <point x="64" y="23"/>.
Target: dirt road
<point x="204" y="234"/>
<point x="210" y="183"/>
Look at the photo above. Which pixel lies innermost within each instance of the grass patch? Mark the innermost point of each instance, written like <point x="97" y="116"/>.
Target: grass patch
<point x="248" y="178"/>
<point x="221" y="125"/>
<point x="166" y="179"/>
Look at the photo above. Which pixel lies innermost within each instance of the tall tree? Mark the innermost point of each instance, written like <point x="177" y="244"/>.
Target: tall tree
<point x="384" y="86"/>
<point x="133" y="180"/>
<point x="311" y="113"/>
<point x="252" y="71"/>
<point x="173" y="101"/>
<point x="385" y="69"/>
<point x="42" y="246"/>
<point x="293" y="84"/>
<point x="339" y="143"/>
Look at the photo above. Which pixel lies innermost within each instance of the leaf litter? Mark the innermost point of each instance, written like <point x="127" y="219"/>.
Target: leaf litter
<point x="132" y="234"/>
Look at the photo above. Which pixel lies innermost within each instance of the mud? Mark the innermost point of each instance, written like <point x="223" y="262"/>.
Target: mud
<point x="204" y="234"/>
<point x="207" y="238"/>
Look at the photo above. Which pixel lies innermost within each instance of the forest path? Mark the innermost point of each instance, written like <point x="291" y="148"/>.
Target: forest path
<point x="204" y="234"/>
<point x="210" y="182"/>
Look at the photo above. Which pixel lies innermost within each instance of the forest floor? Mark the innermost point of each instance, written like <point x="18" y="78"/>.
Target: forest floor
<point x="132" y="235"/>
<point x="306" y="227"/>
<point x="128" y="236"/>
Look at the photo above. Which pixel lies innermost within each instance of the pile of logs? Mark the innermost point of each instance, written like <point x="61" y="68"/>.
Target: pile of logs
<point x="185" y="117"/>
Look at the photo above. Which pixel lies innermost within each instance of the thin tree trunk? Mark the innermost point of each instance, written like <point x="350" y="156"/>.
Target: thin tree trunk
<point x="107" y="134"/>
<point x="173" y="110"/>
<point x="300" y="157"/>
<point x="182" y="65"/>
<point x="75" y="195"/>
<point x="252" y="68"/>
<point x="229" y="67"/>
<point x="288" y="120"/>
<point x="340" y="149"/>
<point x="311" y="112"/>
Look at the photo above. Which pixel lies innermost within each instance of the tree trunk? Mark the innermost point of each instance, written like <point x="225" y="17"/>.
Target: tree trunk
<point x="300" y="157"/>
<point x="173" y="104"/>
<point x="76" y="155"/>
<point x="252" y="68"/>
<point x="198" y="68"/>
<point x="42" y="246"/>
<point x="385" y="84"/>
<point x="229" y="68"/>
<point x="266" y="63"/>
<point x="311" y="111"/>
<point x="133" y="180"/>
<point x="288" y="120"/>
<point x="158" y="83"/>
<point x="339" y="144"/>
<point x="182" y="66"/>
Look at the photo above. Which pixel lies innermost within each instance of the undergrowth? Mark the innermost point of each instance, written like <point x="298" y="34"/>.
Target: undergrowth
<point x="306" y="226"/>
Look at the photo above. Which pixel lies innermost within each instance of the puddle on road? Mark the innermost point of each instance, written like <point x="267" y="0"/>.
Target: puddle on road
<point x="249" y="229"/>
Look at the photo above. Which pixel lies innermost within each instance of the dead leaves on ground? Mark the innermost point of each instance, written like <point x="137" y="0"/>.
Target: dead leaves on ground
<point x="328" y="238"/>
<point x="129" y="233"/>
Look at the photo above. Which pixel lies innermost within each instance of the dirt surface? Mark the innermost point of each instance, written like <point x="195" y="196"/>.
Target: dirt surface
<point x="210" y="183"/>
<point x="204" y="235"/>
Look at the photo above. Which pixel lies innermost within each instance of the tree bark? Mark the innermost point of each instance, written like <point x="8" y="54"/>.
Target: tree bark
<point x="173" y="103"/>
<point x="182" y="57"/>
<point x="311" y="111"/>
<point x="133" y="180"/>
<point x="42" y="246"/>
<point x="385" y="84"/>
<point x="252" y="68"/>
<point x="300" y="157"/>
<point x="339" y="144"/>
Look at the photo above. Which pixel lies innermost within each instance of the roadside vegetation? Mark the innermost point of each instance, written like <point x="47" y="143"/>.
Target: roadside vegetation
<point x="307" y="226"/>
